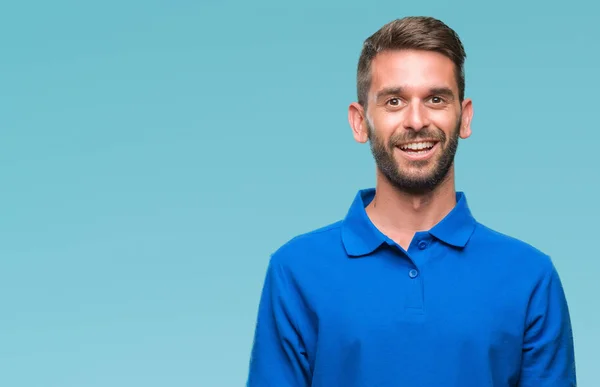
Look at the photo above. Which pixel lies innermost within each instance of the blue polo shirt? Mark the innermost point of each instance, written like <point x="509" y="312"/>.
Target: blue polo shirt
<point x="464" y="306"/>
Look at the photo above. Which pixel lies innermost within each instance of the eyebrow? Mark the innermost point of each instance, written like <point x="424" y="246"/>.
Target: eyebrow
<point x="386" y="92"/>
<point x="443" y="91"/>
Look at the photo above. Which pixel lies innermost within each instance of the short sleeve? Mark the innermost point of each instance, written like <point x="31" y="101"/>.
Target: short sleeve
<point x="548" y="351"/>
<point x="278" y="356"/>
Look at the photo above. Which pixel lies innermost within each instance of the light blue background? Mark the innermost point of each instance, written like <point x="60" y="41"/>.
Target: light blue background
<point x="154" y="153"/>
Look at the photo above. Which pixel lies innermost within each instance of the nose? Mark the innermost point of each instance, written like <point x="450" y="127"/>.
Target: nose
<point x="416" y="117"/>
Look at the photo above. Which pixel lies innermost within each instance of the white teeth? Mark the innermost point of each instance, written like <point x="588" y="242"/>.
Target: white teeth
<point x="418" y="145"/>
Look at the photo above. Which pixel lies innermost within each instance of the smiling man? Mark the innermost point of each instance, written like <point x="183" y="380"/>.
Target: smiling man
<point x="409" y="289"/>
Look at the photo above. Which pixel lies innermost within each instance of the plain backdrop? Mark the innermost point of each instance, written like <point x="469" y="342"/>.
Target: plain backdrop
<point x="154" y="153"/>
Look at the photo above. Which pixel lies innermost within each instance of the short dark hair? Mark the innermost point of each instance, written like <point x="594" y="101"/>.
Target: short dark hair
<point x="416" y="33"/>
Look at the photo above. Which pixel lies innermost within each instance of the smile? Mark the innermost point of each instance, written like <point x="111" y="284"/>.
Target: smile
<point x="418" y="146"/>
<point x="418" y="150"/>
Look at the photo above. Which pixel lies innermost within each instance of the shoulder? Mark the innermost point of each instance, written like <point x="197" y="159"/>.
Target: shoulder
<point x="511" y="250"/>
<point x="310" y="245"/>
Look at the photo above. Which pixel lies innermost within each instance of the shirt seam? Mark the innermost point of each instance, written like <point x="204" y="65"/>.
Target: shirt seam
<point x="286" y="285"/>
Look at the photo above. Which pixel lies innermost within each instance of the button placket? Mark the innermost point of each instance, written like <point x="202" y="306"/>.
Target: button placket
<point x="414" y="274"/>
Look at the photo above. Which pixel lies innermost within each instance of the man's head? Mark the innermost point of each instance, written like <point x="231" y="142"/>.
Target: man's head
<point x="411" y="104"/>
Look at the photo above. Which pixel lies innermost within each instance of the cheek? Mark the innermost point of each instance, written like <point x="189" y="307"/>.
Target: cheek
<point x="385" y="125"/>
<point x="443" y="118"/>
<point x="448" y="124"/>
<point x="390" y="121"/>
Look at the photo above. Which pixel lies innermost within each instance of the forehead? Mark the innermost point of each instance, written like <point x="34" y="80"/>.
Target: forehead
<point x="413" y="70"/>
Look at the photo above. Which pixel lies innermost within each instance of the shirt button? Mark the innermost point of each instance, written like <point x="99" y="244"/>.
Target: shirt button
<point x="422" y="245"/>
<point x="413" y="273"/>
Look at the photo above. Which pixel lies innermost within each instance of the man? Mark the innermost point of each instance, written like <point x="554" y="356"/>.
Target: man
<point x="409" y="289"/>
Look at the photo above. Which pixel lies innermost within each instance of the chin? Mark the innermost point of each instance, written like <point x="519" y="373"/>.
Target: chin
<point x="423" y="170"/>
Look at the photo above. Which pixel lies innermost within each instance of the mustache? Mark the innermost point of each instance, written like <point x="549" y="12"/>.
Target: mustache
<point x="412" y="136"/>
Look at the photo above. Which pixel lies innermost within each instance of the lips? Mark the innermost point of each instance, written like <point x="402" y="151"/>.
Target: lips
<point x="416" y="151"/>
<point x="418" y="146"/>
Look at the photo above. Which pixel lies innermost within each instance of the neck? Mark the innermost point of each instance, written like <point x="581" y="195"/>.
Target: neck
<point x="400" y="215"/>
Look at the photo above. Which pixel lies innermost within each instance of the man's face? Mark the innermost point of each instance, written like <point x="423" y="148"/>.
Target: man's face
<point x="414" y="118"/>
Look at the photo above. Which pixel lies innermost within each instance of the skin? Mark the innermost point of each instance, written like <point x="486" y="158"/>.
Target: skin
<point x="413" y="96"/>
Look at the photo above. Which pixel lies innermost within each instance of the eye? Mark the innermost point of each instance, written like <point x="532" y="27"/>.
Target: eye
<point x="394" y="101"/>
<point x="437" y="100"/>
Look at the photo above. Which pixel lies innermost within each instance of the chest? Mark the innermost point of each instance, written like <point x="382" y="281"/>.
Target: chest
<point x="401" y="307"/>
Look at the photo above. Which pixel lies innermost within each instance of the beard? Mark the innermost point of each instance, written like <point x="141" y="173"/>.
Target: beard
<point x="430" y="176"/>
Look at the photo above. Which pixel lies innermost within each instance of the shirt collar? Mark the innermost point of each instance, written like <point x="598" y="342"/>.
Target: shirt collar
<point x="457" y="227"/>
<point x="360" y="237"/>
<point x="359" y="234"/>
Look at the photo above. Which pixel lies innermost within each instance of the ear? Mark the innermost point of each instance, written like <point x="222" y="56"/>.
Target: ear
<point x="467" y="118"/>
<point x="358" y="123"/>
